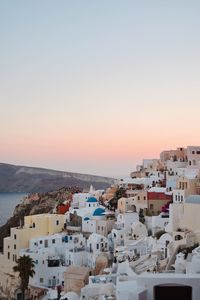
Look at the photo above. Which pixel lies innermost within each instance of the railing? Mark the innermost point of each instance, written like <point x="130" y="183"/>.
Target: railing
<point x="168" y="271"/>
<point x="89" y="250"/>
<point x="77" y="249"/>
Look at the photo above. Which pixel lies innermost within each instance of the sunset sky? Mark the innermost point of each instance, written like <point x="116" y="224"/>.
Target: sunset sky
<point x="96" y="86"/>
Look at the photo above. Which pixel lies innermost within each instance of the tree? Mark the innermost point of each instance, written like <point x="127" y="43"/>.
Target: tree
<point x="25" y="267"/>
<point x="141" y="216"/>
<point x="121" y="192"/>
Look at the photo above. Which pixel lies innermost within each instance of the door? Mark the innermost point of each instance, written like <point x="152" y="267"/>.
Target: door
<point x="172" y="292"/>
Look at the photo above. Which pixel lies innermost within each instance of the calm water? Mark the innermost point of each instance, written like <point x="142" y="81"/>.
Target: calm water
<point x="8" y="201"/>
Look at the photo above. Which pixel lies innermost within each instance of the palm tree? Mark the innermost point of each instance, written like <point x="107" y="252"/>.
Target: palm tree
<point x="25" y="267"/>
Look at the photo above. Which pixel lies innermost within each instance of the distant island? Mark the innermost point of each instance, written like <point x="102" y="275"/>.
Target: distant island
<point x="30" y="179"/>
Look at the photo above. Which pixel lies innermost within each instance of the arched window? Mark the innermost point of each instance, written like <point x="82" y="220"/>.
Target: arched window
<point x="178" y="237"/>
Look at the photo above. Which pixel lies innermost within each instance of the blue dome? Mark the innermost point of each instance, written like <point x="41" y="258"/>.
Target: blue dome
<point x="99" y="211"/>
<point x="92" y="200"/>
<point x="86" y="218"/>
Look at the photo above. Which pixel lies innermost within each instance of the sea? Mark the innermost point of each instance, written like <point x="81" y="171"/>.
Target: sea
<point x="8" y="201"/>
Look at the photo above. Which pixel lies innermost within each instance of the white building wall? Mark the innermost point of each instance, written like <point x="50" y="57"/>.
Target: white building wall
<point x="159" y="223"/>
<point x="176" y="211"/>
<point x="124" y="221"/>
<point x="76" y="258"/>
<point x="79" y="199"/>
<point x="89" y="226"/>
<point x="178" y="195"/>
<point x="193" y="154"/>
<point x="149" y="282"/>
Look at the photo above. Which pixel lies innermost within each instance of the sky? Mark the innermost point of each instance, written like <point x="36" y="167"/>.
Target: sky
<point x="97" y="86"/>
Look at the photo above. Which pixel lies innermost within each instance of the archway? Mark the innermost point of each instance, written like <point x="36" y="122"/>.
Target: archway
<point x="18" y="294"/>
<point x="172" y="292"/>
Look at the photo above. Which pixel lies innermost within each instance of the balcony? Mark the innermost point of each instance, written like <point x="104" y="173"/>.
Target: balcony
<point x="53" y="263"/>
<point x="90" y="250"/>
<point x="77" y="249"/>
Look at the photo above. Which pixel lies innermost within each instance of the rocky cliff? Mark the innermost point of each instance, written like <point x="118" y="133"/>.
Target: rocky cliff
<point x="36" y="203"/>
<point x="28" y="179"/>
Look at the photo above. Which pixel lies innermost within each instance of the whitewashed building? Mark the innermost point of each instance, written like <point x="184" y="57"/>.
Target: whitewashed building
<point x="52" y="254"/>
<point x="96" y="245"/>
<point x="124" y="221"/>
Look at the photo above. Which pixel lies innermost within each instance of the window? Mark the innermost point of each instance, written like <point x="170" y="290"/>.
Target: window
<point x="15" y="246"/>
<point x="178" y="237"/>
<point x="14" y="257"/>
<point x="53" y="263"/>
<point x="36" y="262"/>
<point x="97" y="246"/>
<point x="193" y="152"/>
<point x="144" y="197"/>
<point x="33" y="225"/>
<point x="15" y="237"/>
<point x="151" y="206"/>
<point x="57" y="222"/>
<point x="138" y="197"/>
<point x="41" y="280"/>
<point x="8" y="255"/>
<point x="98" y="227"/>
<point x="198" y="152"/>
<point x="41" y="242"/>
<point x="53" y="241"/>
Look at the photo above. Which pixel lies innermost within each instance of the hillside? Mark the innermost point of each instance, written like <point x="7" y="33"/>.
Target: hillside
<point x="36" y="203"/>
<point x="29" y="179"/>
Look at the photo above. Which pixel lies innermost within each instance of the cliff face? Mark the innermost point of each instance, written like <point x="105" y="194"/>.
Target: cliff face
<point x="36" y="203"/>
<point x="28" y="179"/>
